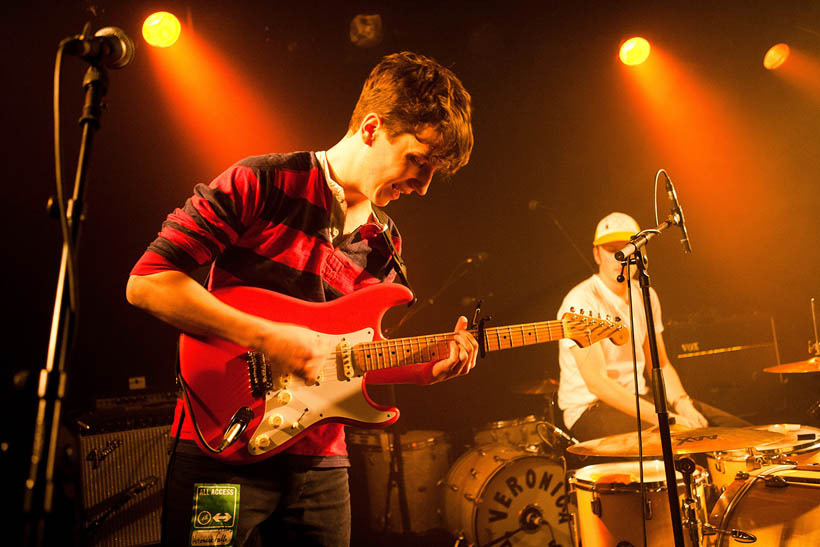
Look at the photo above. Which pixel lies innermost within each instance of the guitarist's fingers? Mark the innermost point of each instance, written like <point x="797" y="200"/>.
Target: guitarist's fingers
<point x="467" y="342"/>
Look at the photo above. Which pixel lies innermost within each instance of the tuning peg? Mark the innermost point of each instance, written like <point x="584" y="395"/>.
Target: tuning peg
<point x="617" y="319"/>
<point x="582" y="311"/>
<point x="572" y="309"/>
<point x="608" y="318"/>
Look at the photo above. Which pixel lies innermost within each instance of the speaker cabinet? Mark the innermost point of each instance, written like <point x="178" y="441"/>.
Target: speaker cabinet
<point x="721" y="361"/>
<point x="123" y="461"/>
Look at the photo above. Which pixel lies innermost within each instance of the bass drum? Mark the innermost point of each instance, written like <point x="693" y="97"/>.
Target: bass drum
<point x="778" y="506"/>
<point x="502" y="495"/>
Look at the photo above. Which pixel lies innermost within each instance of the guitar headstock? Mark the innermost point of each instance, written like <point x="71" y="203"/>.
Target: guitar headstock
<point x="586" y="330"/>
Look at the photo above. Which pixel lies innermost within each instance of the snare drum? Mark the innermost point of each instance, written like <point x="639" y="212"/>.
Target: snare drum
<point x="425" y="458"/>
<point x="519" y="432"/>
<point x="493" y="490"/>
<point x="800" y="446"/>
<point x="779" y="506"/>
<point x="609" y="503"/>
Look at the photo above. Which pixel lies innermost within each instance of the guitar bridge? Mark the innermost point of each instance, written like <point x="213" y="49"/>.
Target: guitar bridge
<point x="258" y="374"/>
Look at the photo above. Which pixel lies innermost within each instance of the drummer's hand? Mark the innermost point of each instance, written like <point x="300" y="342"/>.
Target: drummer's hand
<point x="686" y="414"/>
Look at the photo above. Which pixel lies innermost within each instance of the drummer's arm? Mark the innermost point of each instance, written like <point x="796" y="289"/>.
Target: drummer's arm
<point x="592" y="366"/>
<point x="676" y="395"/>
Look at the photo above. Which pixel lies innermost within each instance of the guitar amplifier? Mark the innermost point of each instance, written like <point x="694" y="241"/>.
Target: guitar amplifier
<point x="720" y="361"/>
<point x="123" y="461"/>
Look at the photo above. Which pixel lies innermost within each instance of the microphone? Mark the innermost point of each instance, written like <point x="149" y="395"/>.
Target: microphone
<point x="109" y="47"/>
<point x="677" y="213"/>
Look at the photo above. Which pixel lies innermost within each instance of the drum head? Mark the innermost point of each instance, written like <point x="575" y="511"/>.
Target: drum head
<point x="621" y="473"/>
<point x="497" y="490"/>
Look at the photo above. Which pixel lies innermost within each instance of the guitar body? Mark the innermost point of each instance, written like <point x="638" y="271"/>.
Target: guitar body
<point x="217" y="373"/>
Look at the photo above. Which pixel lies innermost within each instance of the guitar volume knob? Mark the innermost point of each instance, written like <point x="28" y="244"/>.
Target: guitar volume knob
<point x="262" y="442"/>
<point x="284" y="396"/>
<point x="276" y="420"/>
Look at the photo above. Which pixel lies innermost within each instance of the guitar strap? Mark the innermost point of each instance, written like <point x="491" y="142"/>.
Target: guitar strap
<point x="396" y="262"/>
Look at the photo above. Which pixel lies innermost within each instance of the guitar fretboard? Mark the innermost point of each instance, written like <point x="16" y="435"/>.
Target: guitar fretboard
<point x="382" y="354"/>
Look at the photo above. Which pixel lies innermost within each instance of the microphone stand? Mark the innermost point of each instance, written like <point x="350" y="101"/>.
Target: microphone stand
<point x="633" y="250"/>
<point x="53" y="377"/>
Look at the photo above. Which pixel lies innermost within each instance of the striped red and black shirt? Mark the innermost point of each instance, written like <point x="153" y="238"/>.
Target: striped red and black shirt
<point x="272" y="222"/>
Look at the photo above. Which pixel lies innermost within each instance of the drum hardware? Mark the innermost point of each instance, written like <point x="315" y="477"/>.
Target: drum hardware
<point x="566" y="438"/>
<point x="531" y="518"/>
<point x="738" y="535"/>
<point x="686" y="466"/>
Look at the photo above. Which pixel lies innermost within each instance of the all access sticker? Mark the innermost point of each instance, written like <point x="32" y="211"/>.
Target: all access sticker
<point x="215" y="514"/>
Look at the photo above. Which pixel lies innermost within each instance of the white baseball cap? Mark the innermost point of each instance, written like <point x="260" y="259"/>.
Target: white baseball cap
<point x="615" y="227"/>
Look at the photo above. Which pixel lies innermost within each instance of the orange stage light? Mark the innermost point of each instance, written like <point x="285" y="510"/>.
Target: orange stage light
<point x="223" y="116"/>
<point x="776" y="56"/>
<point x="161" y="29"/>
<point x="802" y="72"/>
<point x="634" y="51"/>
<point x="709" y="145"/>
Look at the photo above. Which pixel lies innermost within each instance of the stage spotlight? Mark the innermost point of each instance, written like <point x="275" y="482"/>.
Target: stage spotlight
<point x="366" y="30"/>
<point x="634" y="51"/>
<point x="776" y="56"/>
<point x="161" y="29"/>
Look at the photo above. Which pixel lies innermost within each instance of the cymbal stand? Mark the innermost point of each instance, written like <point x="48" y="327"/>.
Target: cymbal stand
<point x="687" y="466"/>
<point x="815" y="347"/>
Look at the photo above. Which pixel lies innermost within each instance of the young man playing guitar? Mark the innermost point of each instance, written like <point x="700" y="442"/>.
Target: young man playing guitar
<point x="303" y="225"/>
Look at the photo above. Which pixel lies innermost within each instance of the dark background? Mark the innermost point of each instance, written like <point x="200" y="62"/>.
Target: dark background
<point x="556" y="119"/>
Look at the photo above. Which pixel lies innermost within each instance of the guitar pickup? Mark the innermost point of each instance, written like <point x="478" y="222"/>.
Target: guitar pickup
<point x="259" y="376"/>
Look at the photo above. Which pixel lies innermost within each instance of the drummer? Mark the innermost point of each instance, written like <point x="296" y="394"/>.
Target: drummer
<point x="597" y="388"/>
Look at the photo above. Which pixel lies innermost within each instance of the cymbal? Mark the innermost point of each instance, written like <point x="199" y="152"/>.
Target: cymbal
<point x="684" y="441"/>
<point x="810" y="365"/>
<point x="548" y="386"/>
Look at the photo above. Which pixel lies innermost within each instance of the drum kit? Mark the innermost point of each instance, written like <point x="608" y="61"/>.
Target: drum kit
<point x="511" y="487"/>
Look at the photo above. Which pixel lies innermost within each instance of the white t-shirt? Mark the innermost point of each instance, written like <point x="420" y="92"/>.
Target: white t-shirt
<point x="593" y="294"/>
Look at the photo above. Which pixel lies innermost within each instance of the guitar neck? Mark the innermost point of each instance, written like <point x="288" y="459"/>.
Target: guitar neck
<point x="382" y="354"/>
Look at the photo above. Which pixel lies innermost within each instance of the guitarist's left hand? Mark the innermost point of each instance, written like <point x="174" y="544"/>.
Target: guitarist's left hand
<point x="463" y="355"/>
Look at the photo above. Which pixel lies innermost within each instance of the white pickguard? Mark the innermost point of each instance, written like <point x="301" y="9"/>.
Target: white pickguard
<point x="335" y="397"/>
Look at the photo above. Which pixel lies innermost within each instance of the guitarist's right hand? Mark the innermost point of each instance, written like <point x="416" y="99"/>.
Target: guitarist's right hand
<point x="291" y="349"/>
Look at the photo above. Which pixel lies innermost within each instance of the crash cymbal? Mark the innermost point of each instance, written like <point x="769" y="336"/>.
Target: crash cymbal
<point x="547" y="386"/>
<point x="810" y="365"/>
<point x="684" y="441"/>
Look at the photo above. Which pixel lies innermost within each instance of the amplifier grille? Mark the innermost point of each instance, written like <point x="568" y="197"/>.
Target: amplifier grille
<point x="123" y="476"/>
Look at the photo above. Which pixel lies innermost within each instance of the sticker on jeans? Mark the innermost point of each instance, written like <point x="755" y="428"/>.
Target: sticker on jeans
<point x="216" y="511"/>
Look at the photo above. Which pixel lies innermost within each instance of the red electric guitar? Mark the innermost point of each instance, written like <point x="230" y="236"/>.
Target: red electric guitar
<point x="222" y="377"/>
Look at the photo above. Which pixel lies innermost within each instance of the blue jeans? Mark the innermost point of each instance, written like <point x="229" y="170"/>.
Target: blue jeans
<point x="280" y="501"/>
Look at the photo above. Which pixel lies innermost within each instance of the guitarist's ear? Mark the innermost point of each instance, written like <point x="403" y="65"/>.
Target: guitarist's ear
<point x="367" y="130"/>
